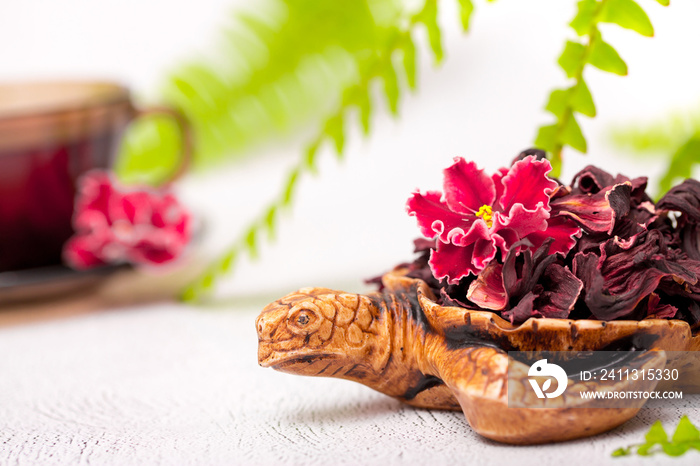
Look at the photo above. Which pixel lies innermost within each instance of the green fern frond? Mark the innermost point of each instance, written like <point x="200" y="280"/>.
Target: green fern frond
<point x="663" y="135"/>
<point x="677" y="135"/>
<point x="287" y="71"/>
<point x="590" y="49"/>
<point x="392" y="49"/>
<point x="682" y="163"/>
<point x="273" y="71"/>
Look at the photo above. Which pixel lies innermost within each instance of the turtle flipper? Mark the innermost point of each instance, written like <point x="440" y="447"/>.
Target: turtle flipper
<point x="478" y="377"/>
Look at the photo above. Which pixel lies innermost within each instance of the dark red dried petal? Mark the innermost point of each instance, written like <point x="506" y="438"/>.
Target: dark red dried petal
<point x="564" y="232"/>
<point x="561" y="291"/>
<point x="595" y="213"/>
<point x="690" y="236"/>
<point x="591" y="180"/>
<point x="684" y="198"/>
<point x="523" y="310"/>
<point x="522" y="272"/>
<point x="657" y="310"/>
<point x="618" y="280"/>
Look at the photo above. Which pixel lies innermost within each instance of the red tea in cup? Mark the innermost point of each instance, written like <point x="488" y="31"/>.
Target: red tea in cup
<point x="50" y="134"/>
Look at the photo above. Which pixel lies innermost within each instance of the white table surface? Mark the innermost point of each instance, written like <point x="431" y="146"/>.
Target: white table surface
<point x="174" y="384"/>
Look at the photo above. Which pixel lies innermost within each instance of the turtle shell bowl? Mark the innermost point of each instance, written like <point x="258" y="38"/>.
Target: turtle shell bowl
<point x="401" y="342"/>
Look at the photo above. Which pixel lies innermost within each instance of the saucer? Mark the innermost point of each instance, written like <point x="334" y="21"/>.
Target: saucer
<point x="48" y="282"/>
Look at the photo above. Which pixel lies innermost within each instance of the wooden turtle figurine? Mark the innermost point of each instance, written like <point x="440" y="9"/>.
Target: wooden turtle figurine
<point x="402" y="343"/>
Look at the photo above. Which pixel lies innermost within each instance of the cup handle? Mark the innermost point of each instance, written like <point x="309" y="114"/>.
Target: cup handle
<point x="185" y="134"/>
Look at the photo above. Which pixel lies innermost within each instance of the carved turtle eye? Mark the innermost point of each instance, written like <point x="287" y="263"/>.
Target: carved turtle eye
<point x="303" y="320"/>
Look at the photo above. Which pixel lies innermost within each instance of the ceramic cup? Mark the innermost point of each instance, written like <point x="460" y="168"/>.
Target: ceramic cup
<point x="50" y="134"/>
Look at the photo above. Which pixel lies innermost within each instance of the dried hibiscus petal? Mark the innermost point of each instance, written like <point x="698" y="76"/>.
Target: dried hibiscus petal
<point x="619" y="279"/>
<point x="560" y="292"/>
<point x="684" y="198"/>
<point x="537" y="280"/>
<point x="487" y="290"/>
<point x="596" y="213"/>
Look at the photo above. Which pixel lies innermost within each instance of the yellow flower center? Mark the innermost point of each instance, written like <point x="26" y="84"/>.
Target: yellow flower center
<point x="486" y="213"/>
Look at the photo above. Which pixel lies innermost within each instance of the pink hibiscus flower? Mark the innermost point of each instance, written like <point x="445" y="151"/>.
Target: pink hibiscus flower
<point x="479" y="215"/>
<point x="117" y="226"/>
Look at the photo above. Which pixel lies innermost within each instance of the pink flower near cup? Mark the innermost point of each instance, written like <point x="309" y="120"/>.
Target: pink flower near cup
<point x="115" y="225"/>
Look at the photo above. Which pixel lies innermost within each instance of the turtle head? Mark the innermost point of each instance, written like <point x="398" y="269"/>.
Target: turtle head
<point x="317" y="331"/>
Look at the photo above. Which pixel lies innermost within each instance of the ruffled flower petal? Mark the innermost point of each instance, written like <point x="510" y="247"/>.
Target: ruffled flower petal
<point x="452" y="262"/>
<point x="498" y="181"/>
<point x="467" y="188"/>
<point x="564" y="231"/>
<point x="478" y="230"/>
<point x="521" y="220"/>
<point x="484" y="252"/>
<point x="434" y="217"/>
<point x="168" y="211"/>
<point x="527" y="183"/>
<point x="467" y="217"/>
